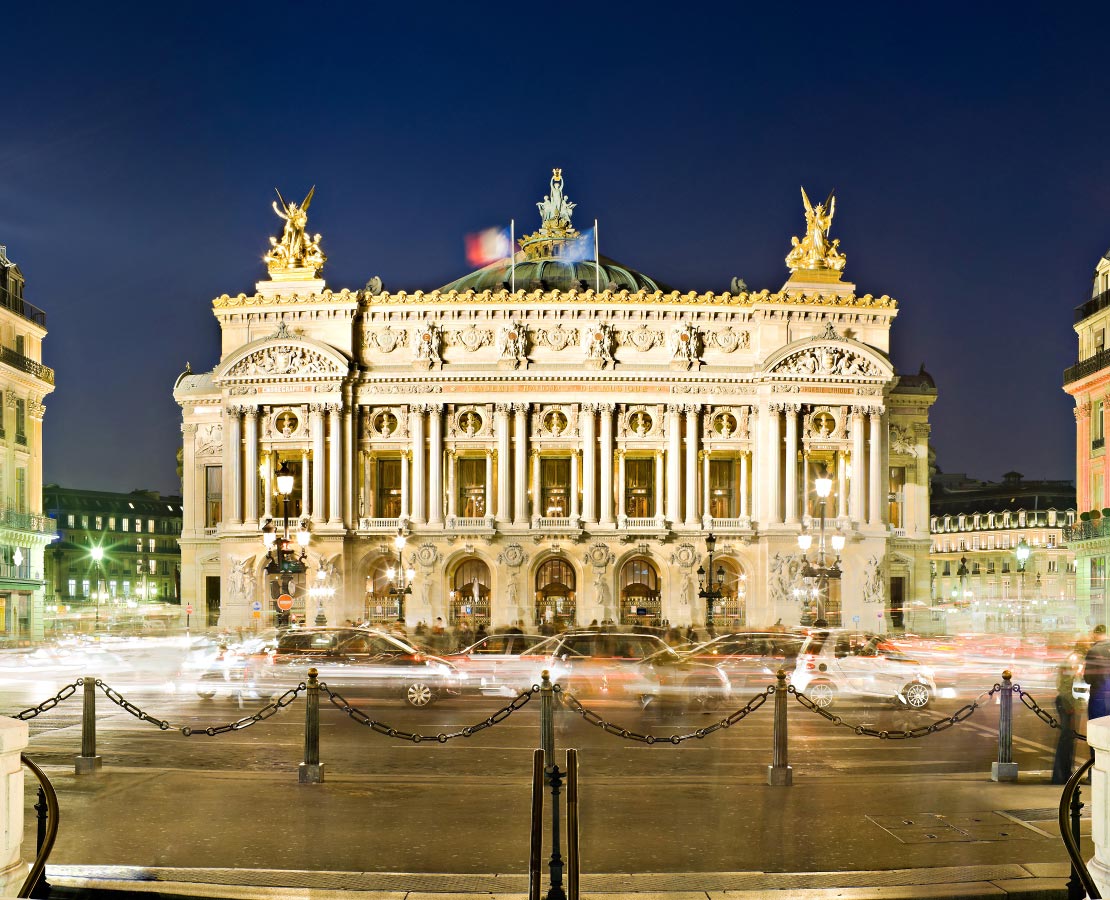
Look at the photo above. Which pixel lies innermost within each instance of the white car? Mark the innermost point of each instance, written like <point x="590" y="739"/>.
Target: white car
<point x="839" y="662"/>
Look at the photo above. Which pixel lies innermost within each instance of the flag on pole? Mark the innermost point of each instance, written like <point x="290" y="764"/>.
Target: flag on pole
<point x="584" y="247"/>
<point x="488" y="246"/>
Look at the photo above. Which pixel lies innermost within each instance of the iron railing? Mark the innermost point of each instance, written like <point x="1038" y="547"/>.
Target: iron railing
<point x="1092" y="306"/>
<point x="1086" y="531"/>
<point x="47" y="834"/>
<point x="20" y="306"/>
<point x="26" y="364"/>
<point x="25" y="521"/>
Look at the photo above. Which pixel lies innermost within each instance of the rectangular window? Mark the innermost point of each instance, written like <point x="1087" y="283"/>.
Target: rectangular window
<point x="138" y="545"/>
<point x="111" y="523"/>
<point x="20" y="344"/>
<point x="471" y="473"/>
<point x="138" y="525"/>
<point x="71" y="521"/>
<point x="125" y="523"/>
<point x="1100" y="339"/>
<point x="1098" y="575"/>
<point x="388" y="490"/>
<point x="990" y="566"/>
<point x="1097" y="427"/>
<point x="947" y="567"/>
<point x="99" y="523"/>
<point x="1052" y="566"/>
<point x="554" y="487"/>
<point x="975" y="568"/>
<point x="21" y="488"/>
<point x="21" y="421"/>
<point x="896" y="496"/>
<point x="214" y="487"/>
<point x="1005" y="566"/>
<point x="724" y="493"/>
<point x="127" y="588"/>
<point x="153" y="566"/>
<point x="72" y="587"/>
<point x="150" y="526"/>
<point x="85" y="587"/>
<point x="153" y="544"/>
<point x="639" y="487"/>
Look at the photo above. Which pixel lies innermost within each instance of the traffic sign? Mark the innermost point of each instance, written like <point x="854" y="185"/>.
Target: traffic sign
<point x="257" y="606"/>
<point x="285" y="603"/>
<point x="189" y="609"/>
<point x="257" y="614"/>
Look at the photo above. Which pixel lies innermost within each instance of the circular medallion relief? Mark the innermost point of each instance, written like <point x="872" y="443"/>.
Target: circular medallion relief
<point x="555" y="422"/>
<point x="470" y="423"/>
<point x="725" y="425"/>
<point x="286" y="423"/>
<point x="385" y="423"/>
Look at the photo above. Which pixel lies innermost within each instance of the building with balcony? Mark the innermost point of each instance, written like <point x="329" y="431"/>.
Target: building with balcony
<point x="1088" y="383"/>
<point x="981" y="532"/>
<point x="139" y="560"/>
<point x="554" y="437"/>
<point x="24" y="531"/>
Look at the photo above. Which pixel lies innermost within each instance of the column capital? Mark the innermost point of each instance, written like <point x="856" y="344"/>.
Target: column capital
<point x="606" y="407"/>
<point x="521" y="409"/>
<point x="673" y="409"/>
<point x="188" y="428"/>
<point x="251" y="412"/>
<point x="502" y="409"/>
<point x="691" y="410"/>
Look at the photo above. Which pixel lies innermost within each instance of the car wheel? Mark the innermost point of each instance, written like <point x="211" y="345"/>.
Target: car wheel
<point x="822" y="694"/>
<point x="206" y="689"/>
<point x="419" y="694"/>
<point x="917" y="695"/>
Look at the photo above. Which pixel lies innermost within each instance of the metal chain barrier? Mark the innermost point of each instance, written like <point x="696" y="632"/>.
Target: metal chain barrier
<point x="1043" y="714"/>
<point x="628" y="734"/>
<point x="64" y="694"/>
<point x="340" y="702"/>
<point x="942" y="724"/>
<point x="265" y="712"/>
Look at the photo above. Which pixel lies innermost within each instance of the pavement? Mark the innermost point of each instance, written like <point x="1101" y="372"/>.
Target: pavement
<point x="148" y="833"/>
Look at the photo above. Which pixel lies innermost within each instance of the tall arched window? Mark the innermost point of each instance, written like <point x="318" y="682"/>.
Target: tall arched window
<point x="382" y="607"/>
<point x="470" y="593"/>
<point x="555" y="594"/>
<point x="730" y="612"/>
<point x="639" y="590"/>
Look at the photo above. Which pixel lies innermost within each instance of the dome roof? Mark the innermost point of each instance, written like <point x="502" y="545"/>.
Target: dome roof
<point x="555" y="274"/>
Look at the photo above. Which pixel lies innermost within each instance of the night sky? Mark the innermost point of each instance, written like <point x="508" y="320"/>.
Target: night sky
<point x="969" y="149"/>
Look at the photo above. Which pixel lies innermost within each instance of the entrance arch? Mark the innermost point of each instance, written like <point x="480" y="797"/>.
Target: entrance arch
<point x="730" y="612"/>
<point x="470" y="594"/>
<point x="382" y="607"/>
<point x="555" y="594"/>
<point x="640" y="602"/>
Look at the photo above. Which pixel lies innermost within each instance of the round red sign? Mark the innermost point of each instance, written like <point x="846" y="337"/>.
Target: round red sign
<point x="285" y="603"/>
<point x="189" y="609"/>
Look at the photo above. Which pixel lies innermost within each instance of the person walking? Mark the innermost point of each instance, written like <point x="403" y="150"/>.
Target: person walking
<point x="1065" y="714"/>
<point x="1096" y="672"/>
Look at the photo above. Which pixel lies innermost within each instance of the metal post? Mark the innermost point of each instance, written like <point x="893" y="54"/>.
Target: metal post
<point x="779" y="774"/>
<point x="554" y="779"/>
<point x="535" y="845"/>
<point x="311" y="771"/>
<point x="547" y="719"/>
<point x="88" y="761"/>
<point x="572" y="826"/>
<point x="1005" y="769"/>
<point x="42" y="886"/>
<point x="1075" y="883"/>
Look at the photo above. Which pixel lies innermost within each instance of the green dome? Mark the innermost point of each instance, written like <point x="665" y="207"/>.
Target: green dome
<point x="554" y="274"/>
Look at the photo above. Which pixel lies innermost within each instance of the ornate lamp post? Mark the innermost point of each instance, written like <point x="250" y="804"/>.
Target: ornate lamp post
<point x="282" y="558"/>
<point x="1022" y="554"/>
<point x="97" y="553"/>
<point x="400" y="578"/>
<point x="820" y="574"/>
<point x="709" y="591"/>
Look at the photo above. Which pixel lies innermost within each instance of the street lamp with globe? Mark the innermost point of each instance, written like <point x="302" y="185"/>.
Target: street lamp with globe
<point x="711" y="592"/>
<point x="97" y="553"/>
<point x="820" y="574"/>
<point x="282" y="558"/>
<point x="1022" y="553"/>
<point x="400" y="578"/>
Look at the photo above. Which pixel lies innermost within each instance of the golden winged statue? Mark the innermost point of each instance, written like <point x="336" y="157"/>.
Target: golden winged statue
<point x="815" y="251"/>
<point x="296" y="249"/>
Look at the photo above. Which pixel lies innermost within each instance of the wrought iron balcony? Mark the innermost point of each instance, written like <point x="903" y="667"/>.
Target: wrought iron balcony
<point x="1086" y="531"/>
<point x="25" y="364"/>
<point x="25" y="521"/>
<point x="1098" y="443"/>
<point x="20" y="306"/>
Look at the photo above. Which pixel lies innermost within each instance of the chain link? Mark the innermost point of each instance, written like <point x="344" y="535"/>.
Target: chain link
<point x="942" y="724"/>
<point x="1043" y="714"/>
<point x="340" y="702"/>
<point x="619" y="731"/>
<point x="270" y="709"/>
<point x="46" y="705"/>
<point x="117" y="698"/>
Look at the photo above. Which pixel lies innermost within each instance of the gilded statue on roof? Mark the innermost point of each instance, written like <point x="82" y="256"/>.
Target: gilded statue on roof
<point x="296" y="249"/>
<point x="555" y="208"/>
<point x="815" y="251"/>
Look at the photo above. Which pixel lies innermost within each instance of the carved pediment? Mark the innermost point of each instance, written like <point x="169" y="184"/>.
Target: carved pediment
<point x="829" y="355"/>
<point x="285" y="360"/>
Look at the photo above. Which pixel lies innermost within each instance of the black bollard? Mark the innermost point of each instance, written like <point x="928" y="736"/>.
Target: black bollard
<point x="554" y="780"/>
<point x="535" y="843"/>
<point x="573" y="863"/>
<point x="1005" y="769"/>
<point x="42" y="886"/>
<point x="779" y="773"/>
<point x="88" y="761"/>
<point x="311" y="771"/>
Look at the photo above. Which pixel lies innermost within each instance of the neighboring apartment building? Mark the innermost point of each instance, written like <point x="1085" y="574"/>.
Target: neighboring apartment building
<point x="555" y="438"/>
<point x="979" y="582"/>
<point x="140" y="560"/>
<point x="24" y="531"/>
<point x="1088" y="382"/>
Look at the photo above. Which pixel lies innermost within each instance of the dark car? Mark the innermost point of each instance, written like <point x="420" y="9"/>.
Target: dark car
<point x="622" y="666"/>
<point x="751" y="659"/>
<point x="357" y="660"/>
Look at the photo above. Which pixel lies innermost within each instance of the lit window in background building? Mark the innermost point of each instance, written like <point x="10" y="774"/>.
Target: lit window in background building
<point x="723" y="495"/>
<point x="554" y="487"/>
<point x="72" y="587"/>
<point x="388" y="494"/>
<point x="472" y="487"/>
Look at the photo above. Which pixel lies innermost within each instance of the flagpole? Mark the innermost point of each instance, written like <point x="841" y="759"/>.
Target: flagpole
<point x="512" y="254"/>
<point x="597" y="261"/>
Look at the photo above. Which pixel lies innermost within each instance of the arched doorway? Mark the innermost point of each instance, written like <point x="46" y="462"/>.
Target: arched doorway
<point x="555" y="594"/>
<point x="640" y="602"/>
<point x="730" y="611"/>
<point x="470" y="594"/>
<point x="382" y="606"/>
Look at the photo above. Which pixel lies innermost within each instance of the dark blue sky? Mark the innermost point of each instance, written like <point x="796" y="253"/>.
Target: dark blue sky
<point x="968" y="148"/>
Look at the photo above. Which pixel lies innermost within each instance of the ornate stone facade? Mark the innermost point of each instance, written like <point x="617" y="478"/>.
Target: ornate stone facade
<point x="558" y="454"/>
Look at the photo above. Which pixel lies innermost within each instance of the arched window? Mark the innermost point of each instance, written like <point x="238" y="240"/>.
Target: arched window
<point x="730" y="611"/>
<point x="639" y="588"/>
<point x="470" y="593"/>
<point x="555" y="594"/>
<point x="382" y="607"/>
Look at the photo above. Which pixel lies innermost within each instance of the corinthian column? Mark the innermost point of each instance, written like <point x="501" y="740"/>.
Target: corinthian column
<point x="537" y="511"/>
<point x="791" y="462"/>
<point x="859" y="476"/>
<point x="841" y="486"/>
<point x="490" y="454"/>
<point x="232" y="442"/>
<point x="452" y="486"/>
<point x="416" y="426"/>
<point x="520" y="486"/>
<point x="589" y="459"/>
<point x="771" y="450"/>
<point x="605" y="485"/>
<point x="501" y="419"/>
<point x="250" y="516"/>
<point x="268" y="488"/>
<point x="305" y="485"/>
<point x="876" y="493"/>
<point x="574" y="518"/>
<point x="621" y="515"/>
<point x="317" y="420"/>
<point x="406" y="455"/>
<point x="674" y="466"/>
<point x="335" y="466"/>
<point x="691" y="465"/>
<point x="659" y="485"/>
<point x="435" y="464"/>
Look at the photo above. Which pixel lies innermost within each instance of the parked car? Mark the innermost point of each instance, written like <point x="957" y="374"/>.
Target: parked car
<point x="750" y="659"/>
<point x="834" y="663"/>
<point x="493" y="665"/>
<point x="621" y="666"/>
<point x="364" y="661"/>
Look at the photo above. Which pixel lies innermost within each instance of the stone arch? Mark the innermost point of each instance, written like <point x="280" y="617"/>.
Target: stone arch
<point x="730" y="612"/>
<point x="377" y="606"/>
<point x="469" y="588"/>
<point x="848" y="359"/>
<point x="640" y="585"/>
<point x="280" y="356"/>
<point x="553" y="589"/>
